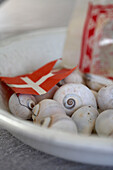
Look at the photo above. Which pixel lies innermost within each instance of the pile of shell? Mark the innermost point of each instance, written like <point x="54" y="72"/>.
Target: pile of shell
<point x="78" y="104"/>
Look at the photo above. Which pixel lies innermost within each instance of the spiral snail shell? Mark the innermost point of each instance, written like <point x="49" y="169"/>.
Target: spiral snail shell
<point x="21" y="105"/>
<point x="45" y="108"/>
<point x="71" y="101"/>
<point x="72" y="96"/>
<point x="75" y="77"/>
<point x="50" y="114"/>
<point x="85" y="118"/>
<point x="105" y="98"/>
<point x="64" y="124"/>
<point x="104" y="123"/>
<point x="96" y="82"/>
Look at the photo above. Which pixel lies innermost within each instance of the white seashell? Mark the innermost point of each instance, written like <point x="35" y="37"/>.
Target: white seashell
<point x="73" y="96"/>
<point x="96" y="82"/>
<point x="85" y="118"/>
<point x="104" y="123"/>
<point x="58" y="121"/>
<point x="66" y="125"/>
<point x="45" y="122"/>
<point x="75" y="77"/>
<point x="21" y="105"/>
<point x="35" y="111"/>
<point x="48" y="95"/>
<point x="46" y="108"/>
<point x="105" y="98"/>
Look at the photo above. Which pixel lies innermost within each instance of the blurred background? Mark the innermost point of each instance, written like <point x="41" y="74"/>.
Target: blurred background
<point x="19" y="16"/>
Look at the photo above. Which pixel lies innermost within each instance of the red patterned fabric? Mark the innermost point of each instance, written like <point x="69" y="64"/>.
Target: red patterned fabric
<point x="38" y="82"/>
<point x="95" y="57"/>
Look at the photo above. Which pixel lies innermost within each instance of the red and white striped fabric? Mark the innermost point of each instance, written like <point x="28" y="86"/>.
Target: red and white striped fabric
<point x="38" y="82"/>
<point x="95" y="57"/>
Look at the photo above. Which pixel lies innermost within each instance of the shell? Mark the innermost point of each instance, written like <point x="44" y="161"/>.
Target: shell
<point x="44" y="122"/>
<point x="66" y="125"/>
<point x="58" y="121"/>
<point x="104" y="123"/>
<point x="85" y="118"/>
<point x="50" y="114"/>
<point x="21" y="105"/>
<point x="48" y="95"/>
<point x="73" y="96"/>
<point x="105" y="98"/>
<point x="46" y="108"/>
<point x="75" y="77"/>
<point x="96" y="82"/>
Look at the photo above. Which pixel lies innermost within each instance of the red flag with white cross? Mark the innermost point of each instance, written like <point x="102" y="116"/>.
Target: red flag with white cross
<point x="38" y="82"/>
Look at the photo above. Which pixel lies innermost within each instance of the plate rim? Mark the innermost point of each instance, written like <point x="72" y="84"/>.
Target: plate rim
<point x="18" y="127"/>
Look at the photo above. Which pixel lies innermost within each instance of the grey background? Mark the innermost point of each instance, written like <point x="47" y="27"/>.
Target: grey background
<point x="15" y="155"/>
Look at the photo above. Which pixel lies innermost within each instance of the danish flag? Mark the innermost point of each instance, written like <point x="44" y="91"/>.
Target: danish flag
<point x="38" y="82"/>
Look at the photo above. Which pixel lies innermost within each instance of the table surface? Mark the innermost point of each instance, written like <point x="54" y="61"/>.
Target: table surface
<point x="17" y="17"/>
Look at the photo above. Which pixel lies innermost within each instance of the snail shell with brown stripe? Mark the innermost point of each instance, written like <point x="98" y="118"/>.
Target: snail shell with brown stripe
<point x="21" y="105"/>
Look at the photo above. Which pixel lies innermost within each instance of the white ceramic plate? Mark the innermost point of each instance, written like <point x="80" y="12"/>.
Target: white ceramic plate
<point x="26" y="53"/>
